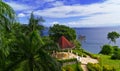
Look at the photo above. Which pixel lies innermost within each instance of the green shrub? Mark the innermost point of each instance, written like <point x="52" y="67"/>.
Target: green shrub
<point x="80" y="52"/>
<point x="108" y="68"/>
<point x="72" y="67"/>
<point x="77" y="44"/>
<point x="107" y="50"/>
<point x="93" y="67"/>
<point x="91" y="55"/>
<point x="68" y="68"/>
<point x="68" y="60"/>
<point x="116" y="55"/>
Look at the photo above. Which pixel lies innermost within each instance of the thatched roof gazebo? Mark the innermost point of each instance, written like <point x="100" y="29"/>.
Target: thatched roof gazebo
<point x="65" y="44"/>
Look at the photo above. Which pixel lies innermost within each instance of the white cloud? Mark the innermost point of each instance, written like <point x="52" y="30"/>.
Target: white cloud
<point x="99" y="14"/>
<point x="58" y="3"/>
<point x="21" y="15"/>
<point x="18" y="7"/>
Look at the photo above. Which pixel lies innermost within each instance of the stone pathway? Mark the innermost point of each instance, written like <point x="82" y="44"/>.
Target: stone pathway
<point x="84" y="60"/>
<point x="84" y="67"/>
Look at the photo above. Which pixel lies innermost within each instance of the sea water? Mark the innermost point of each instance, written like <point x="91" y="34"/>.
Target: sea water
<point x="95" y="37"/>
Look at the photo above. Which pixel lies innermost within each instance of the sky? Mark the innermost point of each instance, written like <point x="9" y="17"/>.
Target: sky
<point x="72" y="13"/>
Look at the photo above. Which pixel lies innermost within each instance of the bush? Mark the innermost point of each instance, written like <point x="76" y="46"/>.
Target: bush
<point x="68" y="60"/>
<point x="67" y="68"/>
<point x="93" y="67"/>
<point x="77" y="44"/>
<point x="116" y="55"/>
<point x="107" y="50"/>
<point x="116" y="48"/>
<point x="108" y="68"/>
<point x="72" y="67"/>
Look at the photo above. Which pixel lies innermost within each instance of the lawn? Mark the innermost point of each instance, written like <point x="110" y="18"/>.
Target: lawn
<point x="72" y="67"/>
<point x="106" y="60"/>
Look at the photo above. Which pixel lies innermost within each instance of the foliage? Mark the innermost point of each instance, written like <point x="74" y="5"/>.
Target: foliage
<point x="21" y="48"/>
<point x="80" y="52"/>
<point x="57" y="31"/>
<point x="77" y="44"/>
<point x="112" y="36"/>
<point x="72" y="67"/>
<point x="93" y="67"/>
<point x="108" y="68"/>
<point x="68" y="60"/>
<point x="106" y="60"/>
<point x="7" y="15"/>
<point x="68" y="68"/>
<point x="107" y="50"/>
<point x="34" y="24"/>
<point x="116" y="55"/>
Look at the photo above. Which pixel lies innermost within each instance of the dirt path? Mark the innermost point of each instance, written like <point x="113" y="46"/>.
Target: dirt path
<point x="84" y="67"/>
<point x="88" y="59"/>
<point x="84" y="60"/>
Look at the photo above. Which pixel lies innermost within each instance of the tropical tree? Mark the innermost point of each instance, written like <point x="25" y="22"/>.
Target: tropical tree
<point x="57" y="31"/>
<point x="7" y="17"/>
<point x="35" y="23"/>
<point x="112" y="36"/>
<point x="21" y="52"/>
<point x="30" y="55"/>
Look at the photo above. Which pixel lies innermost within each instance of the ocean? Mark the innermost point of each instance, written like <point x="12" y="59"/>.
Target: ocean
<point x="95" y="37"/>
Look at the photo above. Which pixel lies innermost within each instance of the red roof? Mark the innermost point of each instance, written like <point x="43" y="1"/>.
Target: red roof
<point x="64" y="43"/>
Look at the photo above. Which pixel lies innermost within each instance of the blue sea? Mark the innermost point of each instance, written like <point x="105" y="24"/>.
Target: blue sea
<point x="95" y="37"/>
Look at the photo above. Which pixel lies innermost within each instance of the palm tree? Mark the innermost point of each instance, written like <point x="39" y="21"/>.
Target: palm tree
<point x="19" y="51"/>
<point x="35" y="23"/>
<point x="31" y="56"/>
<point x="7" y="17"/>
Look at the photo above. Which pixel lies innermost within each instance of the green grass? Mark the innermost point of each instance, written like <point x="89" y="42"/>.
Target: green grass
<point x="106" y="60"/>
<point x="79" y="52"/>
<point x="72" y="67"/>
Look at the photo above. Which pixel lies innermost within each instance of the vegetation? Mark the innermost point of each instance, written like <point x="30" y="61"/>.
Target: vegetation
<point x="97" y="67"/>
<point x="107" y="50"/>
<point x="57" y="31"/>
<point x="68" y="60"/>
<point x="107" y="63"/>
<point x="116" y="54"/>
<point x="72" y="67"/>
<point x="22" y="48"/>
<point x="94" y="67"/>
<point x="7" y="14"/>
<point x="114" y="51"/>
<point x="112" y="36"/>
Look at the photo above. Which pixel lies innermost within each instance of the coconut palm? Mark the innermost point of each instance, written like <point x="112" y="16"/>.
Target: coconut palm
<point x="35" y="23"/>
<point x="21" y="52"/>
<point x="7" y="17"/>
<point x="30" y="56"/>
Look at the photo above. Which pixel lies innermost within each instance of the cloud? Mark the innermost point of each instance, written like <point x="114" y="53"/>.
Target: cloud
<point x="58" y="3"/>
<point x="98" y="14"/>
<point x="18" y="7"/>
<point x="21" y="15"/>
